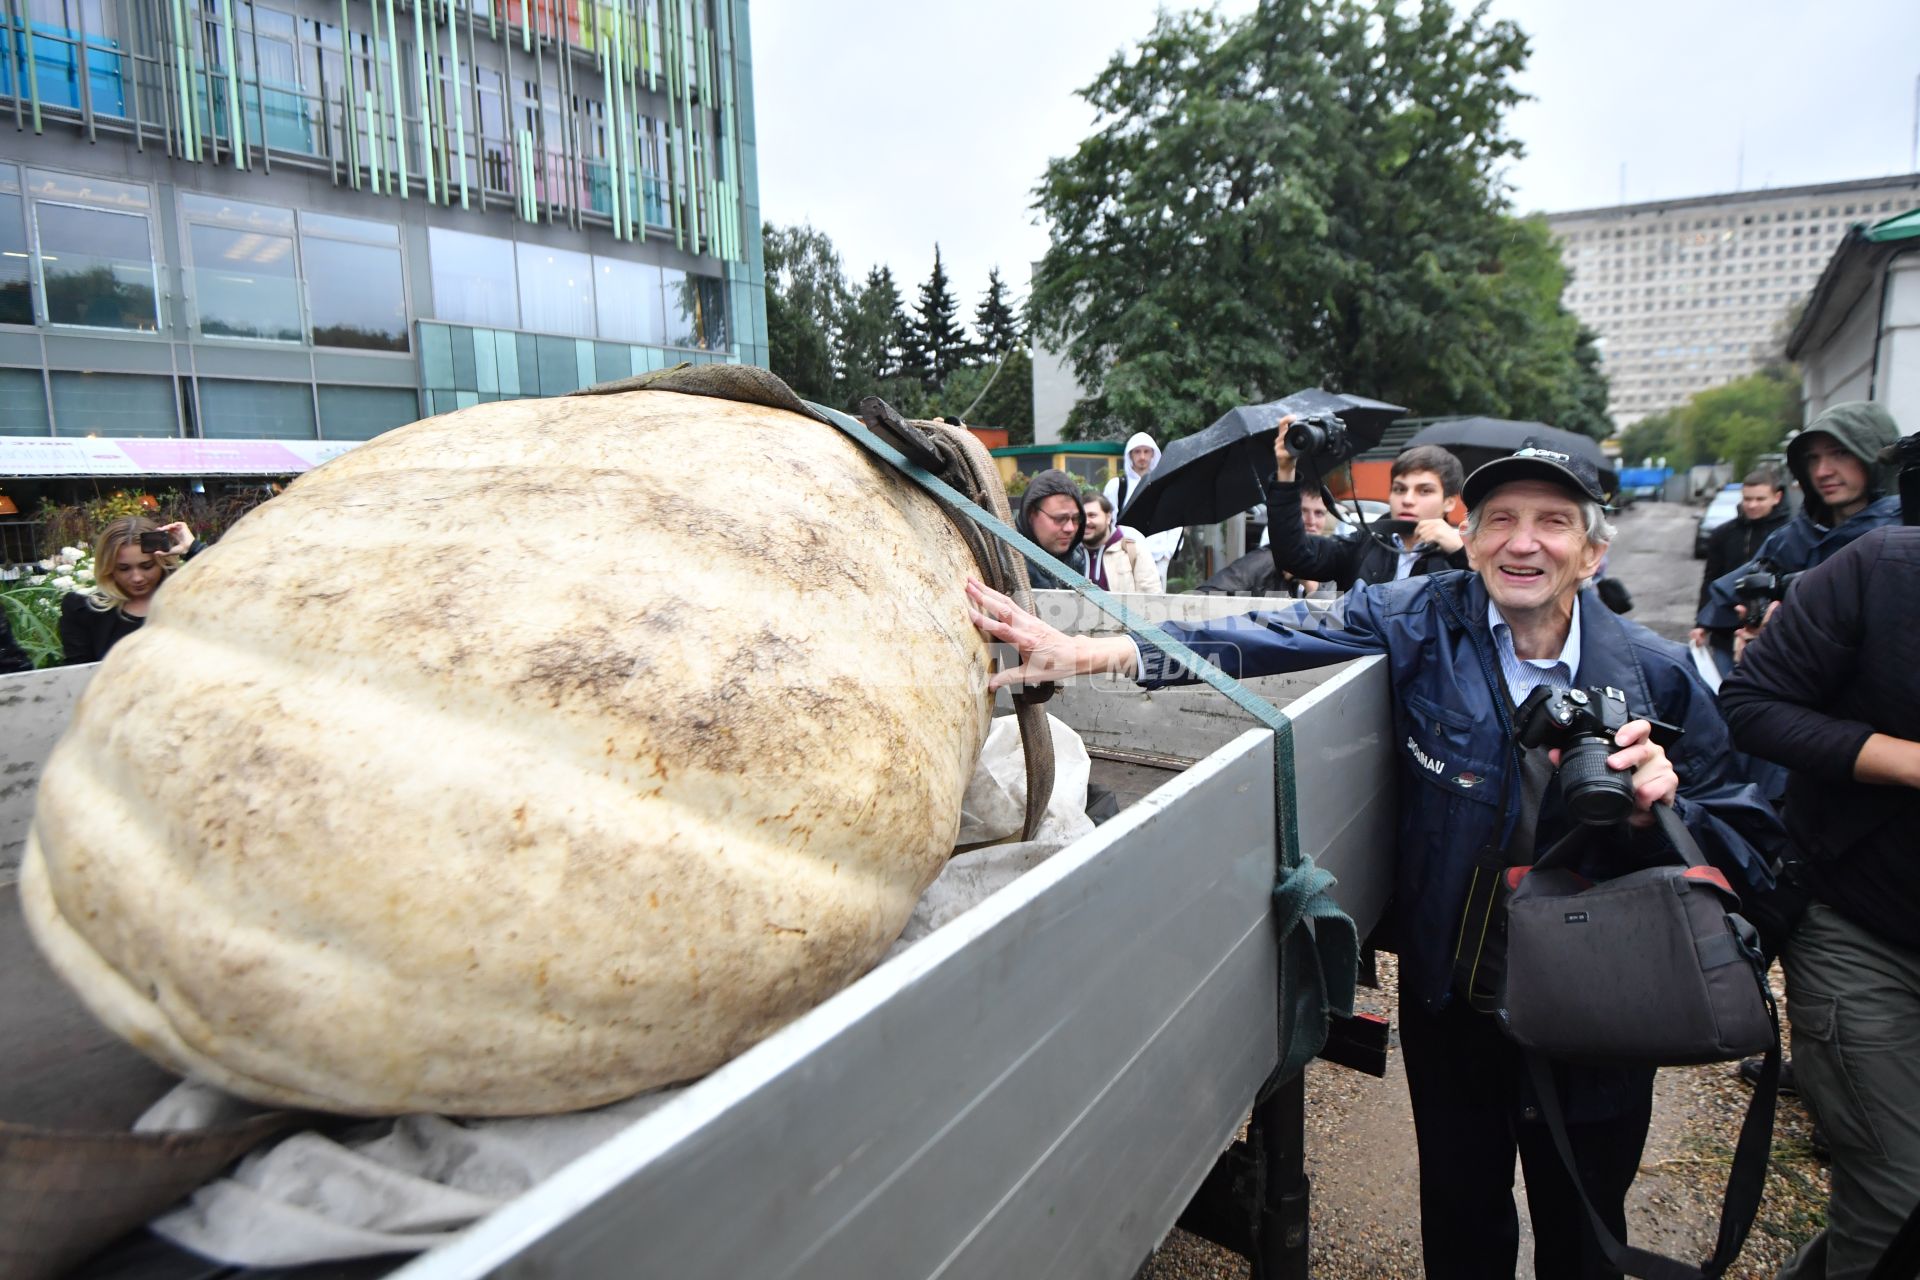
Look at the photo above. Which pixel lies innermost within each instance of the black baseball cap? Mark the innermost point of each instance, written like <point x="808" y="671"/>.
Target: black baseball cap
<point x="1569" y="471"/>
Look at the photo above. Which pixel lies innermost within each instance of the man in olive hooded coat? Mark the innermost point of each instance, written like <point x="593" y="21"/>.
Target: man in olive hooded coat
<point x="1845" y="491"/>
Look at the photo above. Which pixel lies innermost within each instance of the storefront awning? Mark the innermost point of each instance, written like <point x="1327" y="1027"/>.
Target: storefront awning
<point x="77" y="458"/>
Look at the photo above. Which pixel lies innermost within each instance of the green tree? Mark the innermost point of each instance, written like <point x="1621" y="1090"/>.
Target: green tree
<point x="874" y="321"/>
<point x="1309" y="195"/>
<point x="1733" y="423"/>
<point x="996" y="394"/>
<point x="1656" y="436"/>
<point x="807" y="299"/>
<point x="994" y="319"/>
<point x="942" y="343"/>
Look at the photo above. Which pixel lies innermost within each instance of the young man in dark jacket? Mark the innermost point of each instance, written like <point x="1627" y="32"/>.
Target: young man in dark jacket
<point x="1763" y="509"/>
<point x="1845" y="490"/>
<point x="1051" y="514"/>
<point x="1462" y="650"/>
<point x="1426" y="485"/>
<point x="1831" y="689"/>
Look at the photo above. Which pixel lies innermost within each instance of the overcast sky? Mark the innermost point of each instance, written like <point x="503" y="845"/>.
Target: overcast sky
<point x="890" y="124"/>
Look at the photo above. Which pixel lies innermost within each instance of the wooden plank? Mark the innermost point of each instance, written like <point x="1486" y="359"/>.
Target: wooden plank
<point x="35" y="707"/>
<point x="1047" y="1078"/>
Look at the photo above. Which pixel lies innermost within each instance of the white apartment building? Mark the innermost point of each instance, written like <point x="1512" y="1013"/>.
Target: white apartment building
<point x="1689" y="294"/>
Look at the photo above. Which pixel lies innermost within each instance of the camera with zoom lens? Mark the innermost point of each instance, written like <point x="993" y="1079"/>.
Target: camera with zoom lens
<point x="1321" y="437"/>
<point x="1583" y="724"/>
<point x="1760" y="589"/>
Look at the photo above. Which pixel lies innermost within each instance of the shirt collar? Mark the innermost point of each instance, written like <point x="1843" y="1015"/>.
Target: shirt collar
<point x="1569" y="652"/>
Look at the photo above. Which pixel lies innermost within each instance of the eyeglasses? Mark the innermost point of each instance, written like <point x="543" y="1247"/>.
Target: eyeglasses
<point x="1068" y="518"/>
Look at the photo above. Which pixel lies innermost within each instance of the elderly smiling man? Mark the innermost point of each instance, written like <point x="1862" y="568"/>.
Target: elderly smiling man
<point x="1463" y="649"/>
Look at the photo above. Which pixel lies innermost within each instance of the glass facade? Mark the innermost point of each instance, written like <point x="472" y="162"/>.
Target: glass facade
<point x="464" y="366"/>
<point x="195" y="312"/>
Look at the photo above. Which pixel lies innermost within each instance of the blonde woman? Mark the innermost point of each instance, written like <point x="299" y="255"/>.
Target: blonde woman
<point x="128" y="567"/>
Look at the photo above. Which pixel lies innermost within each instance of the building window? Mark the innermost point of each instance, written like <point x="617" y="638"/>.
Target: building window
<point x="245" y="279"/>
<point x="356" y="282"/>
<point x="95" y="251"/>
<point x="96" y="268"/>
<point x="113" y="404"/>
<point x="23" y="403"/>
<point x="361" y="413"/>
<point x="235" y="410"/>
<point x="627" y="301"/>
<point x="556" y="290"/>
<point x="16" y="253"/>
<point x="473" y="279"/>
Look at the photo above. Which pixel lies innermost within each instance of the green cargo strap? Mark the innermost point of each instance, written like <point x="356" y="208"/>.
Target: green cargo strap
<point x="1317" y="963"/>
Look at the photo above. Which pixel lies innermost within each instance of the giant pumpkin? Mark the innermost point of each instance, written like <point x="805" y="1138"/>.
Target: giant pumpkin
<point x="519" y="760"/>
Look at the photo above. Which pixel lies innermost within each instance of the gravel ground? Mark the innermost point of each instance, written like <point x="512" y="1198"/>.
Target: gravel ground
<point x="1366" y="1220"/>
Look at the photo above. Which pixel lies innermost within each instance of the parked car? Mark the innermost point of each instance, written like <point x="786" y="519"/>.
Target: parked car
<point x="1724" y="507"/>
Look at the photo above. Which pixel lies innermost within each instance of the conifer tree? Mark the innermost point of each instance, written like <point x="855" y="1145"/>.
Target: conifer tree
<point x="942" y="343"/>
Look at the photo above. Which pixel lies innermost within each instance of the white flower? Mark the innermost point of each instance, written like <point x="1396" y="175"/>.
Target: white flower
<point x="64" y="582"/>
<point x="71" y="554"/>
<point x="46" y="564"/>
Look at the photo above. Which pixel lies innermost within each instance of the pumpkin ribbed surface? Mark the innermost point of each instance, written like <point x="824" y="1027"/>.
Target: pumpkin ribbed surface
<point x="517" y="761"/>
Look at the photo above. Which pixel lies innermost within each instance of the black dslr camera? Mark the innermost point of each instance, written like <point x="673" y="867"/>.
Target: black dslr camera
<point x="1321" y="437"/>
<point x="1582" y="723"/>
<point x="1760" y="589"/>
<point x="1904" y="454"/>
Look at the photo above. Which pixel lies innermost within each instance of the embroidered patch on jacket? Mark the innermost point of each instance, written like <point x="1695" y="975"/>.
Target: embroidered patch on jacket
<point x="1467" y="778"/>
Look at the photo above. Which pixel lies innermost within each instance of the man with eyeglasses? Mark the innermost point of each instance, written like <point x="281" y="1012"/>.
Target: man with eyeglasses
<point x="1051" y="514"/>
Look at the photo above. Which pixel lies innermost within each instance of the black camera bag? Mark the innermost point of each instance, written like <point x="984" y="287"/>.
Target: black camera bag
<point x="1653" y="968"/>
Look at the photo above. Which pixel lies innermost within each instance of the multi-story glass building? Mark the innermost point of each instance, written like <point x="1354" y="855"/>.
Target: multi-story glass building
<point x="1689" y="294"/>
<point x="319" y="219"/>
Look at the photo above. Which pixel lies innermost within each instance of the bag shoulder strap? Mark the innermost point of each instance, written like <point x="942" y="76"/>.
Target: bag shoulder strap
<point x="1745" y="1183"/>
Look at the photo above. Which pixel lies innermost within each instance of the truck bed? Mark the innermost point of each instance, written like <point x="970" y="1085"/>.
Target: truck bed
<point x="1036" y="1089"/>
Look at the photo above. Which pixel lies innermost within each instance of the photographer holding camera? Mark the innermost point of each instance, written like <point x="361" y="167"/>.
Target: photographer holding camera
<point x="1846" y="491"/>
<point x="1830" y="690"/>
<point x="1465" y="651"/>
<point x="1426" y="482"/>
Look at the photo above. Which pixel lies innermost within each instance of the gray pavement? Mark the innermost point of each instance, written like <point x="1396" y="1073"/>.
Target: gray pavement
<point x="1653" y="555"/>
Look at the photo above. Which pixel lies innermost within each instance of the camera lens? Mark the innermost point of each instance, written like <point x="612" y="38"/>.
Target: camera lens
<point x="1594" y="793"/>
<point x="1305" y="437"/>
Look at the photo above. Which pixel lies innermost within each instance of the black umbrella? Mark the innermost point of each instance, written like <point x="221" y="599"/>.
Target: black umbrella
<point x="1214" y="474"/>
<point x="1478" y="441"/>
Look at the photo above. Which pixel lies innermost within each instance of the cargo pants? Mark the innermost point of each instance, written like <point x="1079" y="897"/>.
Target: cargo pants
<point x="1854" y="1000"/>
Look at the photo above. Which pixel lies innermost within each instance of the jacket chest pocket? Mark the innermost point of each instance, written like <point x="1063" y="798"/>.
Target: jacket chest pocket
<point x="1450" y="749"/>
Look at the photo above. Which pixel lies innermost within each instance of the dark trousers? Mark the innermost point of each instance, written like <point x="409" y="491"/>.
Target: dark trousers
<point x="1472" y="1111"/>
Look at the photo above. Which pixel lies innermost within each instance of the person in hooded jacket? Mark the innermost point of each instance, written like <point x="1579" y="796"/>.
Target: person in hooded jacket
<point x="1051" y="514"/>
<point x="1845" y="489"/>
<point x="1141" y="457"/>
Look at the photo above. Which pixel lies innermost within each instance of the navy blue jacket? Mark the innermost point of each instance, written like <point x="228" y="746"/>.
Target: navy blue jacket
<point x="1799" y="544"/>
<point x="1453" y="737"/>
